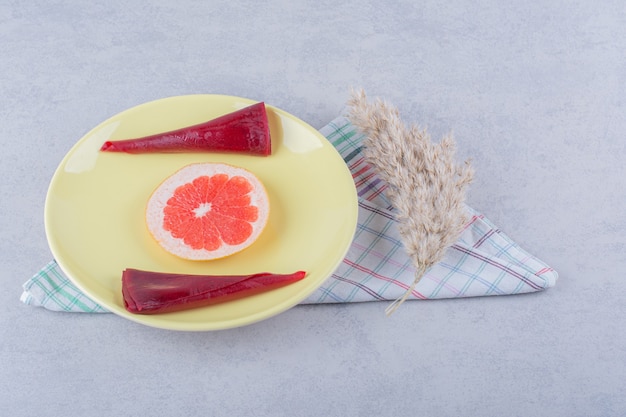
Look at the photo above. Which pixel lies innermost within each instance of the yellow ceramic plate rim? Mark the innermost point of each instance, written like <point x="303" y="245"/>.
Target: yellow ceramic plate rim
<point x="95" y="201"/>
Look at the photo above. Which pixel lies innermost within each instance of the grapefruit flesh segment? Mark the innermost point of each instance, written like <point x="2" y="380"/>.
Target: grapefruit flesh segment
<point x="146" y="292"/>
<point x="207" y="211"/>
<point x="244" y="131"/>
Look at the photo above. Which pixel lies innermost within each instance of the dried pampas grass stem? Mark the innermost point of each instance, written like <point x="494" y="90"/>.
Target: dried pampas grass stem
<point x="426" y="186"/>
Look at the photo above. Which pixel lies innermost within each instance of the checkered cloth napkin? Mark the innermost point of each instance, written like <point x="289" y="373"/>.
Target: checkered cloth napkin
<point x="483" y="261"/>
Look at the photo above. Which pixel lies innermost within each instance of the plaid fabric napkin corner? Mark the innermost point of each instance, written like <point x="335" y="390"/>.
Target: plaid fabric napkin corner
<point x="484" y="260"/>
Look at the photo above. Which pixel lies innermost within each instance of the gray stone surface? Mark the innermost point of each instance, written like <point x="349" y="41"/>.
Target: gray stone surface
<point x="534" y="93"/>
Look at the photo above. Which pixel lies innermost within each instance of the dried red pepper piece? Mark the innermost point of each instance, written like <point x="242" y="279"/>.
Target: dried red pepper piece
<point x="148" y="292"/>
<point x="242" y="131"/>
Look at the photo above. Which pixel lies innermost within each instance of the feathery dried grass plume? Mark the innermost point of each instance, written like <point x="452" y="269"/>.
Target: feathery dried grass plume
<point x="425" y="184"/>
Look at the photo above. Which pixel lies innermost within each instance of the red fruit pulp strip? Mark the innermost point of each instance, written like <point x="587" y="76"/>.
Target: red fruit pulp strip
<point x="148" y="292"/>
<point x="242" y="131"/>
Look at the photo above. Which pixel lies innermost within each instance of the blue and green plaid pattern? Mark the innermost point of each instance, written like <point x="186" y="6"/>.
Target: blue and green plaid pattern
<point x="483" y="261"/>
<point x="51" y="289"/>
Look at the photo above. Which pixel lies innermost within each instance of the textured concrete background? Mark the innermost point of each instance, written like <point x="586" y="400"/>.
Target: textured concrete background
<point x="534" y="93"/>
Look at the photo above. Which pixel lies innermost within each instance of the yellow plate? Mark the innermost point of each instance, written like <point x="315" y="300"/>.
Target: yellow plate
<point x="94" y="212"/>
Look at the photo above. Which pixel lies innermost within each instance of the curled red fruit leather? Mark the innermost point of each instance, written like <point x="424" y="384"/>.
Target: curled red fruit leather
<point x="243" y="131"/>
<point x="148" y="292"/>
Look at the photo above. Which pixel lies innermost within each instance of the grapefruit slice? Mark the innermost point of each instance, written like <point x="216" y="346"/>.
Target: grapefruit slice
<point x="243" y="131"/>
<point x="208" y="211"/>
